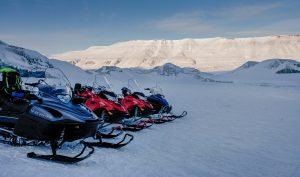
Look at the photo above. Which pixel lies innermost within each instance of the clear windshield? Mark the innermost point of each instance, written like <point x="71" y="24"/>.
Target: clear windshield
<point x="156" y="90"/>
<point x="56" y="84"/>
<point x="101" y="82"/>
<point x="134" y="86"/>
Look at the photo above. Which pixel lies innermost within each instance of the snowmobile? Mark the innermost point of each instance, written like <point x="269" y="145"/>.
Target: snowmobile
<point x="135" y="103"/>
<point x="162" y="110"/>
<point x="28" y="119"/>
<point x="101" y="106"/>
<point x="49" y="116"/>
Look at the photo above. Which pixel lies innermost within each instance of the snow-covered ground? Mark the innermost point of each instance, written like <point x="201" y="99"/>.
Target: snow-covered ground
<point x="239" y="123"/>
<point x="231" y="130"/>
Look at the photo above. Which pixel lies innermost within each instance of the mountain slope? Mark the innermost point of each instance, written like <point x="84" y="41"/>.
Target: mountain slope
<point x="211" y="54"/>
<point x="283" y="71"/>
<point x="21" y="58"/>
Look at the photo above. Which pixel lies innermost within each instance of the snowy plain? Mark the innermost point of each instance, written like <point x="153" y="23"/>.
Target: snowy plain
<point x="239" y="129"/>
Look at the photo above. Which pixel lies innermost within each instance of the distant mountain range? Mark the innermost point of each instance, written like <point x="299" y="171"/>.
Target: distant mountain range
<point x="212" y="54"/>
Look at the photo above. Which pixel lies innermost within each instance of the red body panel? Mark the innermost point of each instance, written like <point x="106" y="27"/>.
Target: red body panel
<point x="95" y="102"/>
<point x="131" y="101"/>
<point x="85" y="94"/>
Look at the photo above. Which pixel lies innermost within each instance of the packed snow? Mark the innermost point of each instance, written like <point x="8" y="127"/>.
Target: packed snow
<point x="232" y="129"/>
<point x="211" y="54"/>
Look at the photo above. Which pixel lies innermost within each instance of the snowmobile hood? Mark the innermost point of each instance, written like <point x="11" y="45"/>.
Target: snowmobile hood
<point x="55" y="111"/>
<point x="160" y="98"/>
<point x="69" y="110"/>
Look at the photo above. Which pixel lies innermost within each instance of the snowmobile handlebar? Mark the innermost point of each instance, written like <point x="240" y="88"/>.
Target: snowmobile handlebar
<point x="139" y="94"/>
<point x="35" y="84"/>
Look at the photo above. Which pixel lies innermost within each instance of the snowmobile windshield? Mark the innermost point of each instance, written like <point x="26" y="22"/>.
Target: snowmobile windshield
<point x="156" y="91"/>
<point x="101" y="82"/>
<point x="103" y="86"/>
<point x="135" y="87"/>
<point x="56" y="84"/>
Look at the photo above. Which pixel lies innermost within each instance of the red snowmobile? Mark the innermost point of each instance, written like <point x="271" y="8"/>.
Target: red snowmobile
<point x="136" y="104"/>
<point x="105" y="105"/>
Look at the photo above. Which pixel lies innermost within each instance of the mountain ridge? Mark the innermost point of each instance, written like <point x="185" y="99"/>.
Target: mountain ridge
<point x="208" y="54"/>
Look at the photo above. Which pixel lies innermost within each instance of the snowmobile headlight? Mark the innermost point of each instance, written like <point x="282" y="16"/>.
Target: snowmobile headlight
<point x="35" y="91"/>
<point x="64" y="98"/>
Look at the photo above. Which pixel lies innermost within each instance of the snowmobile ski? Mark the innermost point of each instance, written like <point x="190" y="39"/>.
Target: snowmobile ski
<point x="117" y="145"/>
<point x="61" y="158"/>
<point x="110" y="132"/>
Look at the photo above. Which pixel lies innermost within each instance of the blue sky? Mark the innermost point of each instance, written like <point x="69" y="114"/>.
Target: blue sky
<point x="54" y="26"/>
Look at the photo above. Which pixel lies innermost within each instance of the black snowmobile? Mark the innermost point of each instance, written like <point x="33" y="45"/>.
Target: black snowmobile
<point x="50" y="117"/>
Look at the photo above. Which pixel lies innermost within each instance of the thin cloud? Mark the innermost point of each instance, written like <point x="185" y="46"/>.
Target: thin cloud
<point x="183" y="22"/>
<point x="247" y="12"/>
<point x="288" y="27"/>
<point x="214" y="20"/>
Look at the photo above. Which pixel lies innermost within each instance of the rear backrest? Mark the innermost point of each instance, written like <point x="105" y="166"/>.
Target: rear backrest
<point x="11" y="81"/>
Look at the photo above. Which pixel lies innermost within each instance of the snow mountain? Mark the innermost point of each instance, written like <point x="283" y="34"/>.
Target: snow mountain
<point x="32" y="63"/>
<point x="18" y="57"/>
<point x="279" y="71"/>
<point x="211" y="54"/>
<point x="278" y="66"/>
<point x="167" y="69"/>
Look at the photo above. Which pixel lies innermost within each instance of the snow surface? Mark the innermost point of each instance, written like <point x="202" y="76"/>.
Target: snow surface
<point x="240" y="123"/>
<point x="212" y="54"/>
<point x="232" y="129"/>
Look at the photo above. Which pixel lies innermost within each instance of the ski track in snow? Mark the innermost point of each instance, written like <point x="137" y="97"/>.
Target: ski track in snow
<point x="231" y="130"/>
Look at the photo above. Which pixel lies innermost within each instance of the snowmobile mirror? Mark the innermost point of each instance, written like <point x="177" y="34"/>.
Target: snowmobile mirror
<point x="41" y="81"/>
<point x="32" y="84"/>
